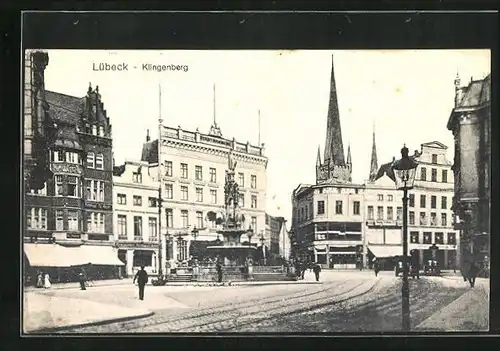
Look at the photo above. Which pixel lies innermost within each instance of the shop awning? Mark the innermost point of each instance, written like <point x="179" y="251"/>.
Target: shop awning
<point x="384" y="251"/>
<point x="54" y="255"/>
<point x="96" y="255"/>
<point x="47" y="255"/>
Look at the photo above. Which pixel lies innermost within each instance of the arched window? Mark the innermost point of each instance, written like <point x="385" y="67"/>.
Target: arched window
<point x="99" y="161"/>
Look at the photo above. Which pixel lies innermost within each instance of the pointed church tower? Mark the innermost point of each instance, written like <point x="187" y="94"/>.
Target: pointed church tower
<point x="373" y="163"/>
<point x="349" y="160"/>
<point x="318" y="164"/>
<point x="334" y="148"/>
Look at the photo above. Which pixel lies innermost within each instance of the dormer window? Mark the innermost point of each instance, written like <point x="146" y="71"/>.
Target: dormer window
<point x="90" y="160"/>
<point x="101" y="131"/>
<point x="94" y="129"/>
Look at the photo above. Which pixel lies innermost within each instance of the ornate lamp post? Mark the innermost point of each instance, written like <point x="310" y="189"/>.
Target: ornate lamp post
<point x="250" y="234"/>
<point x="194" y="233"/>
<point x="263" y="247"/>
<point x="404" y="174"/>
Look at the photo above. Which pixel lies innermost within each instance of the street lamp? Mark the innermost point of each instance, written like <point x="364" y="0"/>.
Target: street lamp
<point x="263" y="247"/>
<point x="250" y="234"/>
<point x="194" y="233"/>
<point x="404" y="174"/>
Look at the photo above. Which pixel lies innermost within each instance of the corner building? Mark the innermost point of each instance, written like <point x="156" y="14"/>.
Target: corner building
<point x="194" y="167"/>
<point x="470" y="122"/>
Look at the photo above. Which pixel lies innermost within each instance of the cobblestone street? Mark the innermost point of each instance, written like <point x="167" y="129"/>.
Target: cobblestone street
<point x="343" y="302"/>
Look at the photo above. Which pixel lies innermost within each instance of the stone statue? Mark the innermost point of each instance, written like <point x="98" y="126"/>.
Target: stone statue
<point x="231" y="162"/>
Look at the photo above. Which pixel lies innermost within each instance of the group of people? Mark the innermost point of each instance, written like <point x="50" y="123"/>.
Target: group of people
<point x="302" y="266"/>
<point x="43" y="280"/>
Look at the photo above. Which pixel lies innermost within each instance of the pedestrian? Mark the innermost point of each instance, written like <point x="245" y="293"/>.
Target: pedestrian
<point x="473" y="271"/>
<point x="303" y="269"/>
<point x="142" y="279"/>
<point x="81" y="278"/>
<point x="39" y="280"/>
<point x="376" y="267"/>
<point x="317" y="269"/>
<point x="46" y="281"/>
<point x="218" y="268"/>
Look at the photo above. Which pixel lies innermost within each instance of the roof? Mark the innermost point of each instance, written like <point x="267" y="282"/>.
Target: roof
<point x="150" y="151"/>
<point x="64" y="107"/>
<point x="477" y="93"/>
<point x="118" y="170"/>
<point x="384" y="169"/>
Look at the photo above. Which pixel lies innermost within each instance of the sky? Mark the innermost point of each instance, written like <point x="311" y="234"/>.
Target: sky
<point x="406" y="94"/>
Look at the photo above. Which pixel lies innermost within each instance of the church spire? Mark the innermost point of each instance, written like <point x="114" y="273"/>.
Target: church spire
<point x="334" y="148"/>
<point x="318" y="158"/>
<point x="373" y="163"/>
<point x="214" y="129"/>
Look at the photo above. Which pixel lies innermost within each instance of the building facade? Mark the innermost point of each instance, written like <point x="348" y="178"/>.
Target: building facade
<point x="327" y="218"/>
<point x="193" y="176"/>
<point x="74" y="206"/>
<point x="430" y="217"/>
<point x="276" y="238"/>
<point x="470" y="123"/>
<point x="136" y="227"/>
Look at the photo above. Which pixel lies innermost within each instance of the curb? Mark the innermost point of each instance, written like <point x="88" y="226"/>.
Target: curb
<point x="90" y="324"/>
<point x="240" y="284"/>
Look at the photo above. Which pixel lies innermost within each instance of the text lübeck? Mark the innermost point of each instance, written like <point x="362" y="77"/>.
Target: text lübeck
<point x="103" y="66"/>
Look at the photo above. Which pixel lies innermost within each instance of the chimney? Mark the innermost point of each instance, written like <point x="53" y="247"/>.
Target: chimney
<point x="393" y="159"/>
<point x="147" y="136"/>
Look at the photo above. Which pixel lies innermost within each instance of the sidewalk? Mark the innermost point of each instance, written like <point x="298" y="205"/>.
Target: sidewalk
<point x="76" y="285"/>
<point x="470" y="312"/>
<point x="43" y="313"/>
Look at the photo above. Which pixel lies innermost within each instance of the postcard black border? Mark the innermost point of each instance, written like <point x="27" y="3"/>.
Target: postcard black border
<point x="236" y="31"/>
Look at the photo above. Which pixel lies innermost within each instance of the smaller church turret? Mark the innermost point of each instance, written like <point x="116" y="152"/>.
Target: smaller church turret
<point x="373" y="162"/>
<point x="349" y="160"/>
<point x="458" y="91"/>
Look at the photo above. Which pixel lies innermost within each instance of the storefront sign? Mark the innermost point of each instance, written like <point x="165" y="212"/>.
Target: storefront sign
<point x="98" y="206"/>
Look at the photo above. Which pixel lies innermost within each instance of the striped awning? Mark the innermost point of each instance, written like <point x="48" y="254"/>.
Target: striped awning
<point x="385" y="251"/>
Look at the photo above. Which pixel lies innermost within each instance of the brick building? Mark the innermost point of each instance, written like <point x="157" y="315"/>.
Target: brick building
<point x="73" y="208"/>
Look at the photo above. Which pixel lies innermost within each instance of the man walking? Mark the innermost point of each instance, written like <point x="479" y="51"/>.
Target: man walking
<point x="142" y="279"/>
<point x="81" y="278"/>
<point x="218" y="267"/>
<point x="376" y="267"/>
<point x="317" y="269"/>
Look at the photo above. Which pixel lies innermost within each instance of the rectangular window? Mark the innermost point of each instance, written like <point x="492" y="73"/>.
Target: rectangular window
<point x="253" y="182"/>
<point x="444" y="220"/>
<point x="241" y="180"/>
<point x="254" y="224"/>
<point x="321" y="207"/>
<point x="152" y="201"/>
<point x="136" y="177"/>
<point x="370" y="212"/>
<point x="380" y="213"/>
<point x="414" y="237"/>
<point x="198" y="173"/>
<point x="122" y="227"/>
<point x="184" y="170"/>
<point x="42" y="191"/>
<point x="444" y="205"/>
<point x="433" y="219"/>
<point x="254" y="201"/>
<point x="399" y="214"/>
<point x="73" y="221"/>
<point x="411" y="218"/>
<point x="434" y="159"/>
<point x="444" y="176"/>
<point x="72" y="157"/>
<point x="213" y="196"/>
<point x="59" y="185"/>
<point x="390" y="213"/>
<point x="58" y="156"/>
<point x="389" y="198"/>
<point x="99" y="161"/>
<point x="439" y="238"/>
<point x="59" y="220"/>
<point x="338" y="207"/>
<point x="411" y="200"/>
<point x="427" y="238"/>
<point x="153" y="229"/>
<point x="137" y="200"/>
<point x="169" y="191"/>
<point x="434" y="175"/>
<point x="72" y="186"/>
<point x="423" y="174"/>
<point x="95" y="222"/>
<point x="452" y="239"/>
<point x="213" y="175"/>
<point x="168" y="168"/>
<point x="199" y="194"/>
<point x="170" y="217"/>
<point x="199" y="219"/>
<point x="137" y="227"/>
<point x="94" y="190"/>
<point x="307" y="212"/>
<point x="101" y="191"/>
<point x="242" y="200"/>
<point x="121" y="198"/>
<point x="356" y="207"/>
<point x="184" y="193"/>
<point x="185" y="218"/>
<point x="90" y="160"/>
<point x="423" y="218"/>
<point x="433" y="201"/>
<point x="182" y="249"/>
<point x="422" y="201"/>
<point x="380" y="197"/>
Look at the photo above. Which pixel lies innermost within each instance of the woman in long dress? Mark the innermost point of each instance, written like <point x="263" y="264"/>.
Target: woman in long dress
<point x="39" y="280"/>
<point x="46" y="282"/>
